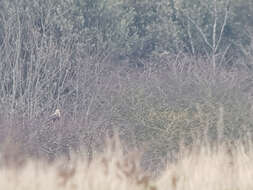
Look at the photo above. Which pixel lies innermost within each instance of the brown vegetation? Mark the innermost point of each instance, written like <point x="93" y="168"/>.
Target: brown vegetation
<point x="201" y="168"/>
<point x="174" y="80"/>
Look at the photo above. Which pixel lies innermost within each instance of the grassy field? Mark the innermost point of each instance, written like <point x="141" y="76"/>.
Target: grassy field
<point x="202" y="168"/>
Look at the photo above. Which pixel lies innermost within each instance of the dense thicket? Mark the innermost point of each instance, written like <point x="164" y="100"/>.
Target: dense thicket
<point x="136" y="28"/>
<point x="159" y="71"/>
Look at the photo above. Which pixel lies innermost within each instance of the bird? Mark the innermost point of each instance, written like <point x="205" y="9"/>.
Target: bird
<point x="55" y="116"/>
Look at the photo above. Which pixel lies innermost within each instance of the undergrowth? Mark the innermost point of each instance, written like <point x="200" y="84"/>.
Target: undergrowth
<point x="227" y="166"/>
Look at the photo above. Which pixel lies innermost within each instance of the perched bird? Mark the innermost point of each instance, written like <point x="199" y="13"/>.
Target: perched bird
<point x="55" y="116"/>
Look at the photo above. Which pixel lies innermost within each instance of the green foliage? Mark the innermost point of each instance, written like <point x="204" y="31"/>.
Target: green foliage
<point x="137" y="29"/>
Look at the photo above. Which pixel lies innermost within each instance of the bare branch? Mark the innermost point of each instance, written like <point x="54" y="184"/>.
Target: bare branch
<point x="200" y="31"/>
<point x="223" y="25"/>
<point x="214" y="26"/>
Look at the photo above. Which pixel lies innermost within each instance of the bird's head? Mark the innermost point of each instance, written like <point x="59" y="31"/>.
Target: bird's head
<point x="57" y="113"/>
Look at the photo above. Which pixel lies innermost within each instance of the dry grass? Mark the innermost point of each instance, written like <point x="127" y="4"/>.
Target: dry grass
<point x="203" y="168"/>
<point x="217" y="170"/>
<point x="110" y="170"/>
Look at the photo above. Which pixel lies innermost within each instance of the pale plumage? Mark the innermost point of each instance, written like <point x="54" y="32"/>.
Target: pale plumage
<point x="55" y="116"/>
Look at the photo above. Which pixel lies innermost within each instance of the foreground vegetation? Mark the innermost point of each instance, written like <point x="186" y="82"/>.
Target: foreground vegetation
<point x="221" y="168"/>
